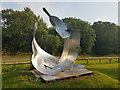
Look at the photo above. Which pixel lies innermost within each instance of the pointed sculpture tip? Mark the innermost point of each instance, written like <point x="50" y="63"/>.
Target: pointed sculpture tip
<point x="46" y="12"/>
<point x="43" y="8"/>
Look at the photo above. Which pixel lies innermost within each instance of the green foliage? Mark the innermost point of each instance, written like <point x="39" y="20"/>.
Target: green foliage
<point x="50" y="43"/>
<point x="18" y="29"/>
<point x="106" y="38"/>
<point x="118" y="49"/>
<point x="87" y="34"/>
<point x="101" y="38"/>
<point x="52" y="31"/>
<point x="59" y="49"/>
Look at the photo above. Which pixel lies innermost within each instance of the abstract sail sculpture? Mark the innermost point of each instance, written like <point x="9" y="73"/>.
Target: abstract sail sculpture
<point x="47" y="64"/>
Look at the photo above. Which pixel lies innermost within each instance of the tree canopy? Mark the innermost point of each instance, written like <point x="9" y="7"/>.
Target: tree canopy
<point x="101" y="38"/>
<point x="17" y="30"/>
<point x="106" y="38"/>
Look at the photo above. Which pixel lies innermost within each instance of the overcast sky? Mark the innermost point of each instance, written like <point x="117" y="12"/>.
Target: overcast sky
<point x="87" y="11"/>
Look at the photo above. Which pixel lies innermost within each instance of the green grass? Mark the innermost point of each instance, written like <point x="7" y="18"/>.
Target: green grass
<point x="19" y="76"/>
<point x="108" y="69"/>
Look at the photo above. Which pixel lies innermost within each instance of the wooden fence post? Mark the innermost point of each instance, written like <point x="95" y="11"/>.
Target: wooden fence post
<point x="31" y="65"/>
<point x="118" y="60"/>
<point x="87" y="61"/>
<point x="110" y="60"/>
<point x="99" y="61"/>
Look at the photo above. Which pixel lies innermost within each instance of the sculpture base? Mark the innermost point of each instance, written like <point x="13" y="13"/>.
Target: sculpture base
<point x="74" y="72"/>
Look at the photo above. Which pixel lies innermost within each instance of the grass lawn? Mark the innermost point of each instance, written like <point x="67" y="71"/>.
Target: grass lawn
<point x="105" y="76"/>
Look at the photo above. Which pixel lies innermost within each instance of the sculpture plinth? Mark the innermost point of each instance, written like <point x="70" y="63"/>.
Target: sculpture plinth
<point x="48" y="66"/>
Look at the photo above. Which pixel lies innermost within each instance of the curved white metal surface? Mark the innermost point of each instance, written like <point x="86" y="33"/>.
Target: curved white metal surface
<point x="50" y="65"/>
<point x="59" y="25"/>
<point x="43" y="61"/>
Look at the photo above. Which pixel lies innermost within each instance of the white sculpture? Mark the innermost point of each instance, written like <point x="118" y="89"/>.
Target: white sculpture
<point x="47" y="64"/>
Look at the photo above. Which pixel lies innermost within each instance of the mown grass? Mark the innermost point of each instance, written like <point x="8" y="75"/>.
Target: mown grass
<point x="105" y="76"/>
<point x="108" y="69"/>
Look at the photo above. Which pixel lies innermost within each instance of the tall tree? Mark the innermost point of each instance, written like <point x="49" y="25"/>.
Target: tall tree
<point x="106" y="38"/>
<point x="18" y="30"/>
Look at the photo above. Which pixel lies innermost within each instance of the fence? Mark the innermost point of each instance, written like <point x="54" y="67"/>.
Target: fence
<point x="87" y="60"/>
<point x="100" y="59"/>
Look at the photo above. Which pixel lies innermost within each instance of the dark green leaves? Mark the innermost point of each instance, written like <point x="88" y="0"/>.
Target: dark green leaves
<point x="106" y="38"/>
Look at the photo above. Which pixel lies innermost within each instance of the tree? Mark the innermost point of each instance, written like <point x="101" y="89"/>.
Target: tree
<point x="118" y="40"/>
<point x="18" y="29"/>
<point x="87" y="34"/>
<point x="50" y="44"/>
<point x="59" y="49"/>
<point x="106" y="38"/>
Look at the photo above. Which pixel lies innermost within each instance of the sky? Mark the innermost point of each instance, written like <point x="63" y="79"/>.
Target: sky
<point x="86" y="11"/>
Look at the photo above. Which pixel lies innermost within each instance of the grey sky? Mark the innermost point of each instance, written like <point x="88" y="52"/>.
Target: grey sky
<point x="87" y="11"/>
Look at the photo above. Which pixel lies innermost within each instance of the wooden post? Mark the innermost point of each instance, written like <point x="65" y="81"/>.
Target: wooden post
<point x="31" y="65"/>
<point x="118" y="60"/>
<point x="110" y="60"/>
<point x="99" y="61"/>
<point x="87" y="61"/>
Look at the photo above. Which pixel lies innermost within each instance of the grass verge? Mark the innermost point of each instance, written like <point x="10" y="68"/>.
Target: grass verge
<point x="105" y="76"/>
